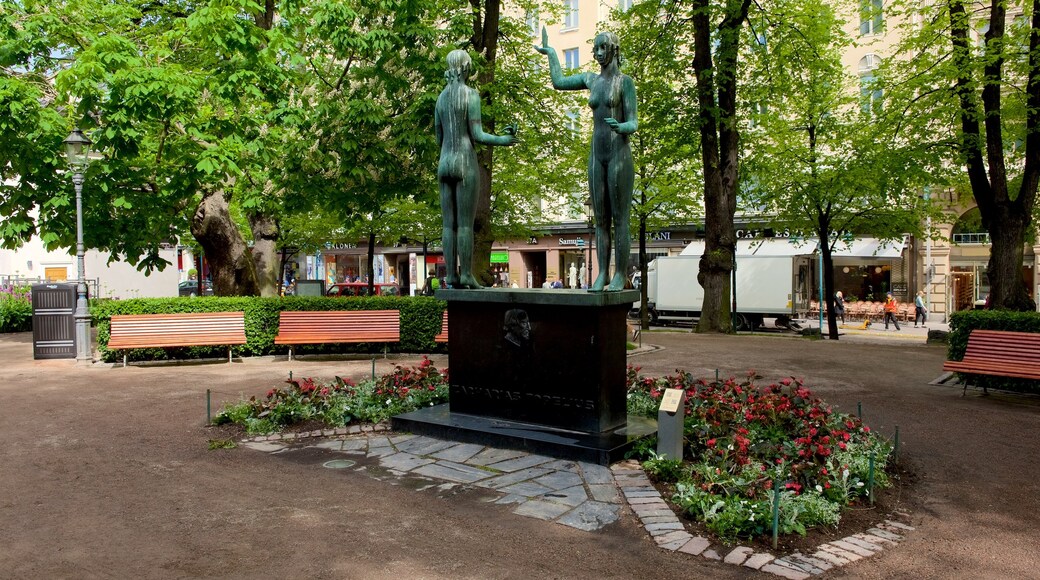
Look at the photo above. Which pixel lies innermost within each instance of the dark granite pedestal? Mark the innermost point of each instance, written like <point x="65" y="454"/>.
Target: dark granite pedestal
<point x="537" y="369"/>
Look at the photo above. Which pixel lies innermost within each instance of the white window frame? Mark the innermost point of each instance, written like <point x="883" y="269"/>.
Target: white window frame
<point x="571" y="58"/>
<point x="570" y="16"/>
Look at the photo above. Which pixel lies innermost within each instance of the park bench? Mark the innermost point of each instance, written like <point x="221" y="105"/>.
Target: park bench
<point x="443" y="336"/>
<point x="999" y="353"/>
<point x="170" y="330"/>
<point x="337" y="326"/>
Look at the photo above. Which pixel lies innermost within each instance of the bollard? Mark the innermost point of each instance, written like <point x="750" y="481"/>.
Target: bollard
<point x="776" y="511"/>
<point x="290" y="375"/>
<point x="870" y="479"/>
<point x="209" y="417"/>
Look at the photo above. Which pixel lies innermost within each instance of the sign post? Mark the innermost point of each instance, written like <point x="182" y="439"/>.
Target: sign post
<point x="670" y="418"/>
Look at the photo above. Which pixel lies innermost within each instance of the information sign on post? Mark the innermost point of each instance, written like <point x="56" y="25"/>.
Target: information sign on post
<point x="670" y="418"/>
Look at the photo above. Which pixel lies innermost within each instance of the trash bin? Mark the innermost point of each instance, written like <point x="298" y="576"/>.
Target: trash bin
<point x="310" y="287"/>
<point x="53" y="321"/>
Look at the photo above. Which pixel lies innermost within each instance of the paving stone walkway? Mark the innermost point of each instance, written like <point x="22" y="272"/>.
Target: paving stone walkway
<point x="572" y="493"/>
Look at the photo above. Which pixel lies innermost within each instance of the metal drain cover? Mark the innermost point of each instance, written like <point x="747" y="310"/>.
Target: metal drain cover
<point x="339" y="464"/>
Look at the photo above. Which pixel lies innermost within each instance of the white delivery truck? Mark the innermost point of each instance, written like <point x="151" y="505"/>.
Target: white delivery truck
<point x="771" y="282"/>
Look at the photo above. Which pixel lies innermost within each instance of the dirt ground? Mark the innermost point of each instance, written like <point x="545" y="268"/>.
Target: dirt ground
<point x="105" y="472"/>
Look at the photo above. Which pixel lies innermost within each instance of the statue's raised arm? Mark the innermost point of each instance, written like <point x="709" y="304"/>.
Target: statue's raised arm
<point x="559" y="81"/>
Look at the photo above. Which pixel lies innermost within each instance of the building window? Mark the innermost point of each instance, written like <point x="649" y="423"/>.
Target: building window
<point x="570" y="18"/>
<point x="532" y="22"/>
<point x="570" y="58"/>
<point x="871" y="16"/>
<point x="624" y="5"/>
<point x="869" y="91"/>
<point x="573" y="122"/>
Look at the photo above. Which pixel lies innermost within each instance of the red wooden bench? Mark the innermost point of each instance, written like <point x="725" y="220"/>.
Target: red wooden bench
<point x="999" y="353"/>
<point x="169" y="330"/>
<point x="337" y="326"/>
<point x="443" y="336"/>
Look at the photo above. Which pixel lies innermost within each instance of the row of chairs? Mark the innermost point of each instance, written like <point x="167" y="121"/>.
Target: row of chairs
<point x="866" y="310"/>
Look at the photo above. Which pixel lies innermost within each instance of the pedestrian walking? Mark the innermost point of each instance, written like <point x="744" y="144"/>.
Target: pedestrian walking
<point x="891" y="308"/>
<point x="920" y="310"/>
<point x="839" y="306"/>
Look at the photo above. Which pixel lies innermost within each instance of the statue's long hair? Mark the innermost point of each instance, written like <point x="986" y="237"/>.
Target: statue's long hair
<point x="459" y="65"/>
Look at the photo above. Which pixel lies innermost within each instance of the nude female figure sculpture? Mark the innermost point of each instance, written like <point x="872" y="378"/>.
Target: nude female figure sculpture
<point x="612" y="97"/>
<point x="458" y="125"/>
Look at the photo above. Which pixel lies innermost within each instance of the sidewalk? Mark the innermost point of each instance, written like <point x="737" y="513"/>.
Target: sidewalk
<point x="107" y="473"/>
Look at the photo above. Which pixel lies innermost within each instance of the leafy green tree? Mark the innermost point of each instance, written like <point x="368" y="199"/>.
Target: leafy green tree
<point x="515" y="88"/>
<point x="667" y="173"/>
<point x="819" y="161"/>
<point x="175" y="97"/>
<point x="967" y="79"/>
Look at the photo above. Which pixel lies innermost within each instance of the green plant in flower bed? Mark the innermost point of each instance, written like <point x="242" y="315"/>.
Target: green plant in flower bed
<point x="15" y="309"/>
<point x="341" y="402"/>
<point x="742" y="440"/>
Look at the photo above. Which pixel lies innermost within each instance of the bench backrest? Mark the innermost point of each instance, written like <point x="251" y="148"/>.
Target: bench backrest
<point x="182" y="329"/>
<point x="338" y="326"/>
<point x="443" y="336"/>
<point x="1003" y="345"/>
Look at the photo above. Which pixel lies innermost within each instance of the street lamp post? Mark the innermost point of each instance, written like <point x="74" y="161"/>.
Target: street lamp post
<point x="77" y="152"/>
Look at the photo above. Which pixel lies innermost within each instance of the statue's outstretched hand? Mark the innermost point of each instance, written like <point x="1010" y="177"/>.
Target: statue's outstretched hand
<point x="510" y="131"/>
<point x="544" y="48"/>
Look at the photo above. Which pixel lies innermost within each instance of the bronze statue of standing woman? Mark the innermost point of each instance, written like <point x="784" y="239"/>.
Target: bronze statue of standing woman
<point x="458" y="125"/>
<point x="612" y="97"/>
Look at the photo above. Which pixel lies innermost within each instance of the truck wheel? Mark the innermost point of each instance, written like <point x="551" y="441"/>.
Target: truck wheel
<point x="744" y="323"/>
<point x="654" y="318"/>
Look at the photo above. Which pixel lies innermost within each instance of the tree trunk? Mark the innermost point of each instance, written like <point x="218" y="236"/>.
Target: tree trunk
<point x="265" y="253"/>
<point x="827" y="300"/>
<point x="1007" y="220"/>
<point x="230" y="263"/>
<point x="720" y="155"/>
<point x="371" y="257"/>
<point x="485" y="40"/>
<point x="1007" y="287"/>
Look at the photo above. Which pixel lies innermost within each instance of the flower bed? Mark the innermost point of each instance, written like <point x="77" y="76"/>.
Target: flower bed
<point x="744" y="443"/>
<point x="341" y="402"/>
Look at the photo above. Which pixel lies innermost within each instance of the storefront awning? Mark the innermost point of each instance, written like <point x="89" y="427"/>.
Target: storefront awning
<point x="863" y="247"/>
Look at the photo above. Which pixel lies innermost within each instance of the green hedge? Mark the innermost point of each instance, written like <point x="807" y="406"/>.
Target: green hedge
<point x="961" y="325"/>
<point x="420" y="323"/>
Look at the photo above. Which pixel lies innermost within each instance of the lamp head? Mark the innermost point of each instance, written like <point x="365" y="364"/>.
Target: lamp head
<point x="77" y="150"/>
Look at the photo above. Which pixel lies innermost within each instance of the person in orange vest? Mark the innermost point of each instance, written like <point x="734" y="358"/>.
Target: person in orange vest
<point x="891" y="307"/>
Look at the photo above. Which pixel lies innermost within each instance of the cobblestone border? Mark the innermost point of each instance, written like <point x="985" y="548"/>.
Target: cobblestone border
<point x="670" y="534"/>
<point x="351" y="430"/>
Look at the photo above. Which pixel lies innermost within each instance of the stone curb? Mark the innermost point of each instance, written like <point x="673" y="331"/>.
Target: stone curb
<point x="337" y="432"/>
<point x="669" y="533"/>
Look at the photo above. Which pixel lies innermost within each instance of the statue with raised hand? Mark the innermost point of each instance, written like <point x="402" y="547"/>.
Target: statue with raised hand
<point x="458" y="125"/>
<point x="612" y="97"/>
